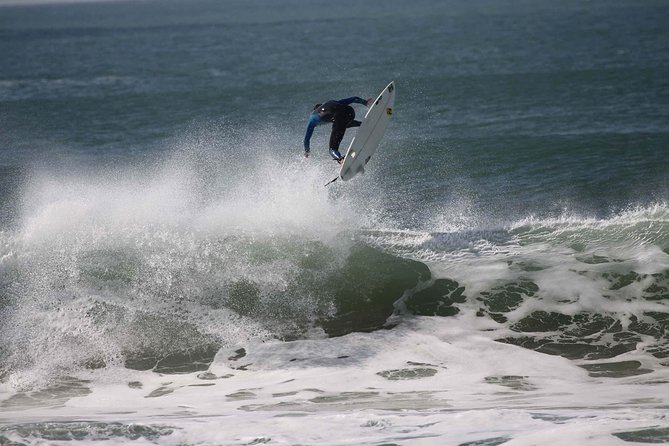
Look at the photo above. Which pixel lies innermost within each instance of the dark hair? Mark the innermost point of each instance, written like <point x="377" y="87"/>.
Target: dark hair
<point x="317" y="105"/>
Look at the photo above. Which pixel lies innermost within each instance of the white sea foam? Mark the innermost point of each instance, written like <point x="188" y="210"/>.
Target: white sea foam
<point x="97" y="252"/>
<point x="200" y="221"/>
<point x="431" y="381"/>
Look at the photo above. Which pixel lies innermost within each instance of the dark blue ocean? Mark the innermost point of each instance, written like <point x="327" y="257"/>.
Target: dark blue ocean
<point x="173" y="271"/>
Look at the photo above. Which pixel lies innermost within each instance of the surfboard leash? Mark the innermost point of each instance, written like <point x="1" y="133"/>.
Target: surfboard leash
<point x="335" y="179"/>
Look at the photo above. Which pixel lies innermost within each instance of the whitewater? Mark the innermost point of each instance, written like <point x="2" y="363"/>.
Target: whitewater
<point x="203" y="310"/>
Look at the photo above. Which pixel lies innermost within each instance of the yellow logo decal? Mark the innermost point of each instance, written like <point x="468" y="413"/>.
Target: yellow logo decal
<point x="389" y="111"/>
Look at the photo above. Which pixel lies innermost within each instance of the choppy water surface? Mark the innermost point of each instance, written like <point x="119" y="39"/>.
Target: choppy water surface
<point x="172" y="271"/>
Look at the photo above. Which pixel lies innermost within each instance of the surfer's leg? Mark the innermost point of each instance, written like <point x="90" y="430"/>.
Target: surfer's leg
<point x="342" y="120"/>
<point x="338" y="130"/>
<point x="354" y="124"/>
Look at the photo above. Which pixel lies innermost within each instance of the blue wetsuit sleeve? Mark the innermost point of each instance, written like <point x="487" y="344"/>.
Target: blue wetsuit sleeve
<point x="313" y="122"/>
<point x="352" y="99"/>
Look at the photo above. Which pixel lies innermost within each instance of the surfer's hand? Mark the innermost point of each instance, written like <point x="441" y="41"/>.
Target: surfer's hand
<point x="369" y="101"/>
<point x="306" y="154"/>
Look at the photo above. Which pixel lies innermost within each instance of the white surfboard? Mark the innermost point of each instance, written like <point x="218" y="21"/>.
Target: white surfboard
<point x="369" y="134"/>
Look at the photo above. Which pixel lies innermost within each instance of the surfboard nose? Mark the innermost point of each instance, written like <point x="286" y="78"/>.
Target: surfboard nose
<point x="369" y="134"/>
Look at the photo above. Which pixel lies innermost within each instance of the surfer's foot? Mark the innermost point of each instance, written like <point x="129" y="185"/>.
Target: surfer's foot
<point x="336" y="155"/>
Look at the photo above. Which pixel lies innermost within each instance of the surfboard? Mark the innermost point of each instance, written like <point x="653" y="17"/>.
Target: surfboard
<point x="369" y="135"/>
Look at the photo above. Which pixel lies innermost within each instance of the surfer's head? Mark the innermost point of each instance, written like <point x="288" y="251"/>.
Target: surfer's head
<point x="317" y="105"/>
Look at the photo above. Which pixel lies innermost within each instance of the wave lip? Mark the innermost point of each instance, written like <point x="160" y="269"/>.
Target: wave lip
<point x="159" y="270"/>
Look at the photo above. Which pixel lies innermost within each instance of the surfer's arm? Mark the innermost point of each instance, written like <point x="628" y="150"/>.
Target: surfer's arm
<point x="353" y="99"/>
<point x="314" y="120"/>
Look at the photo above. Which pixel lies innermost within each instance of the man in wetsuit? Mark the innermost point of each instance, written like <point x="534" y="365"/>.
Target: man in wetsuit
<point x="341" y="115"/>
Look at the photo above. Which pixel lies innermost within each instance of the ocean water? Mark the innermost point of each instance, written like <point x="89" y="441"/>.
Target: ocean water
<point x="174" y="272"/>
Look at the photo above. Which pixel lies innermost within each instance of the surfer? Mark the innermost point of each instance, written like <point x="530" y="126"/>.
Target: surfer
<point x="341" y="115"/>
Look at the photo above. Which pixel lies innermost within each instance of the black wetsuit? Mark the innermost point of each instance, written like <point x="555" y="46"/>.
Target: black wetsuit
<point x="340" y="114"/>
